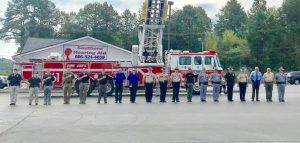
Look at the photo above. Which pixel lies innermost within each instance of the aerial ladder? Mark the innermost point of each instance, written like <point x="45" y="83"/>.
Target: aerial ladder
<point x="150" y="50"/>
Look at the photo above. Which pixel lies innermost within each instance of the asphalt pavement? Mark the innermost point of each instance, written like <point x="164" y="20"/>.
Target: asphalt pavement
<point x="182" y="122"/>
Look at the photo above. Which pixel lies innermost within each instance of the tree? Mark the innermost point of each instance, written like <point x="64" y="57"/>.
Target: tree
<point x="233" y="50"/>
<point x="232" y="17"/>
<point x="187" y="25"/>
<point x="29" y="18"/>
<point x="129" y="29"/>
<point x="70" y="29"/>
<point x="211" y="41"/>
<point x="100" y="21"/>
<point x="256" y="32"/>
<point x="290" y="14"/>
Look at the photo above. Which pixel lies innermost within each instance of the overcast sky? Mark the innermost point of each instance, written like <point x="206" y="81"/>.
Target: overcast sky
<point x="212" y="7"/>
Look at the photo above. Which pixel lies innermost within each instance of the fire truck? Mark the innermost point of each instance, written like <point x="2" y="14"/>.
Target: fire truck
<point x="149" y="53"/>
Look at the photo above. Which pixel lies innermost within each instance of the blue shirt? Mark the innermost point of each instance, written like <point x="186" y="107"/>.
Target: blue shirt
<point x="133" y="78"/>
<point x="119" y="77"/>
<point x="256" y="76"/>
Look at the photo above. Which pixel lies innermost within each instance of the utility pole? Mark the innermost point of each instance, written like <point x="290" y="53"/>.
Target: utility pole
<point x="170" y="3"/>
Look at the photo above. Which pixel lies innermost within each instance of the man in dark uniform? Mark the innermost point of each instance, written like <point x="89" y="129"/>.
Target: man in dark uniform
<point x="102" y="78"/>
<point x="84" y="85"/>
<point x="190" y="80"/>
<point x="134" y="79"/>
<point x="48" y="80"/>
<point x="119" y="80"/>
<point x="34" y="88"/>
<point x="14" y="83"/>
<point x="230" y="80"/>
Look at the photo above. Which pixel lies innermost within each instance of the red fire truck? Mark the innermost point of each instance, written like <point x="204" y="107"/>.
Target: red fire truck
<point x="149" y="53"/>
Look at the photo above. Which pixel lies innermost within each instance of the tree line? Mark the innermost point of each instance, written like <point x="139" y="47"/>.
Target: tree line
<point x="263" y="36"/>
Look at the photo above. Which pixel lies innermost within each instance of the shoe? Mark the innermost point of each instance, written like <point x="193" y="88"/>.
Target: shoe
<point x="230" y="100"/>
<point x="116" y="101"/>
<point x="46" y="104"/>
<point x="12" y="104"/>
<point x="36" y="104"/>
<point x="252" y="100"/>
<point x="282" y="100"/>
<point x="271" y="100"/>
<point x="177" y="101"/>
<point x="173" y="100"/>
<point x="203" y="100"/>
<point x="216" y="100"/>
<point x="257" y="100"/>
<point x="29" y="104"/>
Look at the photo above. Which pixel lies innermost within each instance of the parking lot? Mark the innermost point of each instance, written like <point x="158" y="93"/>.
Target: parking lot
<point x="182" y="122"/>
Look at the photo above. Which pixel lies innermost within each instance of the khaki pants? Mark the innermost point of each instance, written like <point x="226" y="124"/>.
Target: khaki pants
<point x="34" y="93"/>
<point x="67" y="92"/>
<point x="14" y="90"/>
<point x="83" y="89"/>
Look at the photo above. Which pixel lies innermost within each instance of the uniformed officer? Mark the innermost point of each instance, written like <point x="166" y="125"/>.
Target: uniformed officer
<point x="216" y="79"/>
<point x="203" y="82"/>
<point x="149" y="81"/>
<point x="189" y="81"/>
<point x="48" y="80"/>
<point x="269" y="80"/>
<point x="243" y="82"/>
<point x="34" y="88"/>
<point x="176" y="79"/>
<point x="163" y="79"/>
<point x="230" y="79"/>
<point x="119" y="80"/>
<point x="84" y="85"/>
<point x="102" y="79"/>
<point x="14" y="83"/>
<point x="281" y="83"/>
<point x="68" y="85"/>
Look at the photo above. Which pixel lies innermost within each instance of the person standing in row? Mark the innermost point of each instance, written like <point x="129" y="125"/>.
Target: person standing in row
<point x="68" y="85"/>
<point x="243" y="81"/>
<point x="34" y="88"/>
<point x="14" y="82"/>
<point x="134" y="79"/>
<point x="255" y="78"/>
<point x="190" y="80"/>
<point x="149" y="79"/>
<point x="163" y="79"/>
<point x="48" y="80"/>
<point x="216" y="79"/>
<point x="203" y="82"/>
<point x="176" y="79"/>
<point x="269" y="79"/>
<point x="84" y="86"/>
<point x="119" y="80"/>
<point x="102" y="79"/>
<point x="281" y="81"/>
<point x="223" y="86"/>
<point x="230" y="79"/>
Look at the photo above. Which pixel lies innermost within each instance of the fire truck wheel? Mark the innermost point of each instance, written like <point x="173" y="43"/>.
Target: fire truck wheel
<point x="196" y="89"/>
<point x="110" y="88"/>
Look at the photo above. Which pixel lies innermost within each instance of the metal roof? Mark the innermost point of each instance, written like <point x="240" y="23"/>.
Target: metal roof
<point x="39" y="43"/>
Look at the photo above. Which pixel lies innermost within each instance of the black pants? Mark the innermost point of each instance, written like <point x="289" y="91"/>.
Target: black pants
<point x="176" y="87"/>
<point x="163" y="91"/>
<point x="255" y="90"/>
<point x="149" y="92"/>
<point x="243" y="87"/>
<point x="133" y="90"/>
<point x="119" y="91"/>
<point x="230" y="91"/>
<point x="223" y="86"/>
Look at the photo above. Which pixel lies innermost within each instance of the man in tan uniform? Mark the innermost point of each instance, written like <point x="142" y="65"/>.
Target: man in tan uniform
<point x="163" y="84"/>
<point x="269" y="79"/>
<point x="149" y="79"/>
<point x="176" y="79"/>
<point x="67" y="85"/>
